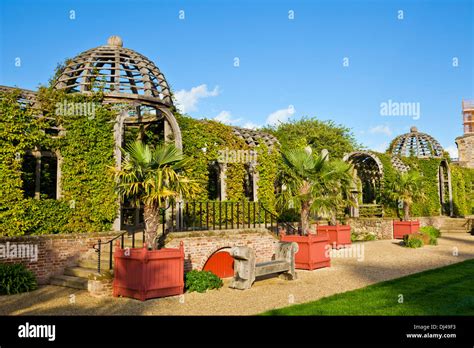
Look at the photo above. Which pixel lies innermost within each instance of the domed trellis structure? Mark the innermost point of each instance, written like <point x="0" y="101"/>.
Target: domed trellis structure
<point x="134" y="83"/>
<point x="424" y="146"/>
<point x="416" y="144"/>
<point x="124" y="76"/>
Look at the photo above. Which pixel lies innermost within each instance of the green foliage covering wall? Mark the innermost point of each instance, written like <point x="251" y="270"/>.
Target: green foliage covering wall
<point x="214" y="137"/>
<point x="390" y="208"/>
<point x="88" y="201"/>
<point x="211" y="136"/>
<point x="19" y="132"/>
<point x="87" y="150"/>
<point x="463" y="191"/>
<point x="428" y="168"/>
<point x="462" y="187"/>
<point x="267" y="168"/>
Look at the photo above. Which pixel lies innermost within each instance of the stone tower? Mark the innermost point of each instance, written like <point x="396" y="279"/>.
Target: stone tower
<point x="465" y="143"/>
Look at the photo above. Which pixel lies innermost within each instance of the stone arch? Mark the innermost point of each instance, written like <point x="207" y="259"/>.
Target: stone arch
<point x="369" y="170"/>
<point x="445" y="188"/>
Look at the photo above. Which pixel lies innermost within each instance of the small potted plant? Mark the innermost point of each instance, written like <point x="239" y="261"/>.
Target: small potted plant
<point x="311" y="184"/>
<point x="406" y="188"/>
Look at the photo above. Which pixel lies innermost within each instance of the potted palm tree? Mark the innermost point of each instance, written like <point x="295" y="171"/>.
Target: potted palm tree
<point x="406" y="188"/>
<point x="311" y="184"/>
<point x="150" y="176"/>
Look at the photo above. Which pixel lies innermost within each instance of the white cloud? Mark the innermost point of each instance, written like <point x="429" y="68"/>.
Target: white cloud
<point x="187" y="101"/>
<point x="381" y="147"/>
<point x="280" y="116"/>
<point x="381" y="129"/>
<point x="250" y="125"/>
<point x="453" y="151"/>
<point x="226" y="117"/>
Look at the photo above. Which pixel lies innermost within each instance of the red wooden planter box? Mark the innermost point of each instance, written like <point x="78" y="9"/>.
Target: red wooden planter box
<point x="142" y="274"/>
<point x="401" y="228"/>
<point x="339" y="235"/>
<point x="312" y="253"/>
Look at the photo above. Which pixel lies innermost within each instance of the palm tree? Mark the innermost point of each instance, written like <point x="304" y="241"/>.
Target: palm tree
<point x="312" y="184"/>
<point x="406" y="188"/>
<point x="152" y="176"/>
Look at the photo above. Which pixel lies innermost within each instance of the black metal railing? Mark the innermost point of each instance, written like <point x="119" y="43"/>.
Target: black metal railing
<point x="223" y="215"/>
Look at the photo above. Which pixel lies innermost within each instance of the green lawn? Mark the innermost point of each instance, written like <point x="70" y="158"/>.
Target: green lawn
<point x="442" y="291"/>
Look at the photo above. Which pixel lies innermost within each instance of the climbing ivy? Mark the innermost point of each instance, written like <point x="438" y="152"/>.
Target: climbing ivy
<point x="88" y="202"/>
<point x="87" y="151"/>
<point x="428" y="168"/>
<point x="19" y="132"/>
<point x="462" y="180"/>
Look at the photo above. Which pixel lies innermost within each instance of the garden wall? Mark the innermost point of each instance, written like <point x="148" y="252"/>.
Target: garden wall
<point x="199" y="246"/>
<point x="378" y="227"/>
<point x="382" y="228"/>
<point x="55" y="252"/>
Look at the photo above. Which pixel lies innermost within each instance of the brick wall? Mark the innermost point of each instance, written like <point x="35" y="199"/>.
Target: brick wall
<point x="199" y="246"/>
<point x="55" y="252"/>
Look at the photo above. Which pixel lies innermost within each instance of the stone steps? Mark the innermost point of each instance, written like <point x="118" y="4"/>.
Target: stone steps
<point x="69" y="282"/>
<point x="81" y="272"/>
<point x="77" y="277"/>
<point x="92" y="264"/>
<point x="450" y="230"/>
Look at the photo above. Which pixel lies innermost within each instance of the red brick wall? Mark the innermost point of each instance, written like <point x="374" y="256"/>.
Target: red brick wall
<point x="55" y="252"/>
<point x="199" y="246"/>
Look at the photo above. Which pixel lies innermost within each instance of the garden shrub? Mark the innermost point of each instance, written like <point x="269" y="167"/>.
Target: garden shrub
<point x="432" y="232"/>
<point x="15" y="278"/>
<point x="201" y="281"/>
<point x="414" y="240"/>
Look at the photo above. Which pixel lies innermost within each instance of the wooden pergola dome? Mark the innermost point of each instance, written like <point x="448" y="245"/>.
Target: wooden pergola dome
<point x="119" y="72"/>
<point x="416" y="144"/>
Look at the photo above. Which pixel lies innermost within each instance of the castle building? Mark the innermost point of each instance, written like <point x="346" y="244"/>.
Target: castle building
<point x="465" y="143"/>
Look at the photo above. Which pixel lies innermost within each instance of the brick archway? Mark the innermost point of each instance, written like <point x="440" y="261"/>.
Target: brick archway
<point x="220" y="263"/>
<point x="200" y="246"/>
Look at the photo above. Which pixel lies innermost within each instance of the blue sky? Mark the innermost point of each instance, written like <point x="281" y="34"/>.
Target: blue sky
<point x="334" y="60"/>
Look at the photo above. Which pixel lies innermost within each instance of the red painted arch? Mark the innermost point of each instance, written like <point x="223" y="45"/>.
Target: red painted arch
<point x="221" y="264"/>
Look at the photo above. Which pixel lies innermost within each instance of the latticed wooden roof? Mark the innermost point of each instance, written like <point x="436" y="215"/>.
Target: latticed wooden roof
<point x="27" y="97"/>
<point x="255" y="137"/>
<point x="416" y="144"/>
<point x="116" y="70"/>
<point x="399" y="165"/>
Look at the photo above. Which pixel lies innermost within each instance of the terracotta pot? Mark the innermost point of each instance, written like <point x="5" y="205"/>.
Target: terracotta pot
<point x="401" y="228"/>
<point x="312" y="253"/>
<point x="339" y="235"/>
<point x="142" y="274"/>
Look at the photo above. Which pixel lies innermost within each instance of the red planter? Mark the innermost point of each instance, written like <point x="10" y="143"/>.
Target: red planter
<point x="312" y="253"/>
<point x="142" y="274"/>
<point x="401" y="228"/>
<point x="339" y="235"/>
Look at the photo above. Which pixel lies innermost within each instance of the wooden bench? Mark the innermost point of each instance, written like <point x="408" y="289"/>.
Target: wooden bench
<point x="246" y="269"/>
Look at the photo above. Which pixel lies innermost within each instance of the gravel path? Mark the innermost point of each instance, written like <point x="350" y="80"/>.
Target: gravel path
<point x="382" y="260"/>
